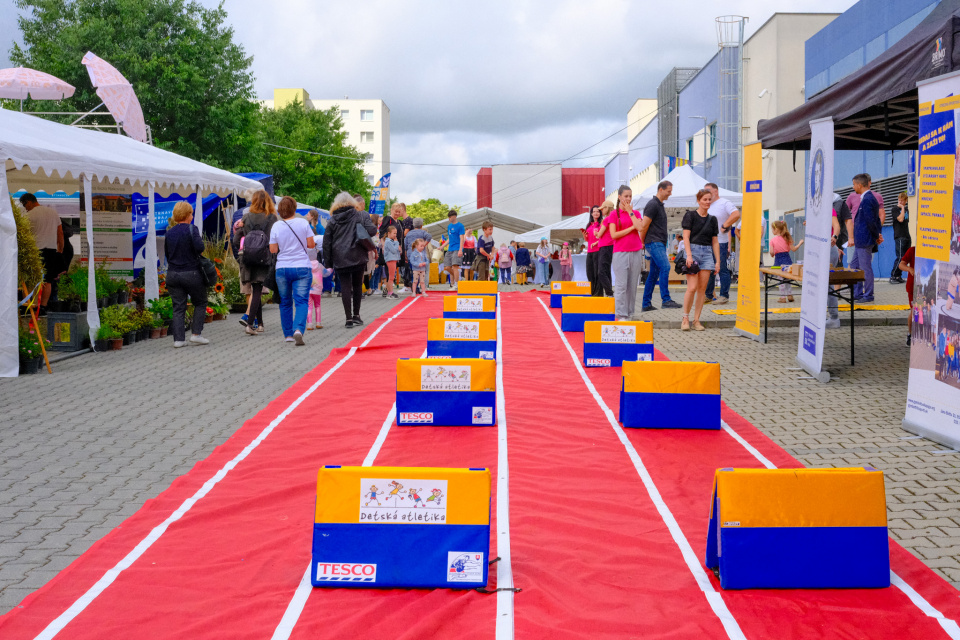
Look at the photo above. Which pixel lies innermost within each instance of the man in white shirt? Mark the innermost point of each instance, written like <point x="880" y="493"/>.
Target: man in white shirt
<point x="48" y="232"/>
<point x="727" y="216"/>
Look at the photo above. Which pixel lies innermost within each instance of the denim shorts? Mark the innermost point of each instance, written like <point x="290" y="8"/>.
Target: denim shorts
<point x="704" y="256"/>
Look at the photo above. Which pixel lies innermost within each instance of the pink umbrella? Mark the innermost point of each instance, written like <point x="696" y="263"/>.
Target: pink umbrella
<point x="118" y="96"/>
<point x="19" y="82"/>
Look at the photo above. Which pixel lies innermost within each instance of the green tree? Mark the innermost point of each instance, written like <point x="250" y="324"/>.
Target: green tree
<point x="193" y="81"/>
<point x="311" y="179"/>
<point x="431" y="210"/>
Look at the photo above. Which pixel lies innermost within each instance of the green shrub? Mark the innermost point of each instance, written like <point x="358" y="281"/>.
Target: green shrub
<point x="107" y="333"/>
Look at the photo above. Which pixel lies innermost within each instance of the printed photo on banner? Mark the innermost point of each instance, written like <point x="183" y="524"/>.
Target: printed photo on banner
<point x="618" y="333"/>
<point x="470" y="304"/>
<point x="402" y="501"/>
<point x="444" y="378"/>
<point x="465" y="566"/>
<point x="461" y="330"/>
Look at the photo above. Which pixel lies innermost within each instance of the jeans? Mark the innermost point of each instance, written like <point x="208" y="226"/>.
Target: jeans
<point x="724" y="274"/>
<point x="863" y="259"/>
<point x="293" y="284"/>
<point x="181" y="284"/>
<point x="604" y="265"/>
<point x="626" y="266"/>
<point x="351" y="281"/>
<point x="833" y="312"/>
<point x="375" y="278"/>
<point x="901" y="245"/>
<point x="659" y="273"/>
<point x="505" y="275"/>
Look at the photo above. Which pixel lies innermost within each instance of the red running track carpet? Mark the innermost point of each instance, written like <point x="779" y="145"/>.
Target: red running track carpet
<point x="607" y="527"/>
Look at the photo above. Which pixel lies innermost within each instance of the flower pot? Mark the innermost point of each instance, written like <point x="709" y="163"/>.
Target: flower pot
<point x="74" y="307"/>
<point x="123" y="297"/>
<point x="111" y="299"/>
<point x="219" y="316"/>
<point x="29" y="366"/>
<point x="130" y="337"/>
<point x="102" y="302"/>
<point x="207" y="319"/>
<point x="101" y="345"/>
<point x="115" y="344"/>
<point x="163" y="331"/>
<point x="155" y="333"/>
<point x="53" y="305"/>
<point x="83" y="307"/>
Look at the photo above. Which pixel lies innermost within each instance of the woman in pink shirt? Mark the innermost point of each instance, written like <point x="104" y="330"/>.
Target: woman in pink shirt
<point x="627" y="252"/>
<point x="593" y="251"/>
<point x="605" y="250"/>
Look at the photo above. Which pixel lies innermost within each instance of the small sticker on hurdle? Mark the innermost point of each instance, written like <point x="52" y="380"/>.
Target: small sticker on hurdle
<point x="734" y="523"/>
<point x="483" y="415"/>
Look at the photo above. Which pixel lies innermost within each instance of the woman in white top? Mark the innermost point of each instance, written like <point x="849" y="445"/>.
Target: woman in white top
<point x="290" y="237"/>
<point x="542" y="276"/>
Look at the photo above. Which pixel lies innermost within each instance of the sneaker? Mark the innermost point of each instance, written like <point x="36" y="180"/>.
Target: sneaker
<point x="179" y="343"/>
<point x="698" y="327"/>
<point x="833" y="323"/>
<point x="908" y="339"/>
<point x="357" y="320"/>
<point x="394" y="296"/>
<point x="244" y="320"/>
<point x="722" y="300"/>
<point x="250" y="331"/>
<point x="670" y="304"/>
<point x="649" y="307"/>
<point x="199" y="340"/>
<point x="318" y="326"/>
<point x="288" y="339"/>
<point x="865" y="299"/>
<point x="349" y="324"/>
<point x="298" y="338"/>
<point x="259" y="328"/>
<point x="402" y="290"/>
<point x="384" y="293"/>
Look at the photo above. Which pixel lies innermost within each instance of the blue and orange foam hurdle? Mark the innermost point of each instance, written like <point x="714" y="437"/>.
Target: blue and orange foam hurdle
<point x="401" y="527"/>
<point x="577" y="310"/>
<point x="799" y="529"/>
<point x="477" y="288"/>
<point x="670" y="395"/>
<point x="563" y="288"/>
<point x="610" y="344"/>
<point x="478" y="307"/>
<point x="447" y="338"/>
<point x="454" y="392"/>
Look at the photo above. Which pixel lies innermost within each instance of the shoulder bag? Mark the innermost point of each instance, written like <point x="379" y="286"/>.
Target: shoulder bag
<point x="362" y="237"/>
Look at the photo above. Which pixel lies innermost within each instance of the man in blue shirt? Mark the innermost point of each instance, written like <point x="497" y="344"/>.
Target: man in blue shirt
<point x="866" y="235"/>
<point x="454" y="255"/>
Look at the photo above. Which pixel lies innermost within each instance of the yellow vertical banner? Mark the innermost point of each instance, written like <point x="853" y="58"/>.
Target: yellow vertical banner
<point x="751" y="216"/>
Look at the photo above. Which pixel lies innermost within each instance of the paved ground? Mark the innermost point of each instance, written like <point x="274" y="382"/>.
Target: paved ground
<point x="85" y="448"/>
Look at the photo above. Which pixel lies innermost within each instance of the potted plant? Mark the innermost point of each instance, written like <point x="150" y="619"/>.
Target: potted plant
<point x="104" y="335"/>
<point x="142" y="319"/>
<point x="30" y="352"/>
<point x="209" y="317"/>
<point x="115" y="341"/>
<point x="162" y="308"/>
<point x="156" y="328"/>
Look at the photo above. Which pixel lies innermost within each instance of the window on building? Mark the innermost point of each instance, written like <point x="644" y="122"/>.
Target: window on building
<point x="369" y="178"/>
<point x="366" y="136"/>
<point x="366" y="115"/>
<point x="368" y="157"/>
<point x="690" y="149"/>
<point x="713" y="139"/>
<point x="344" y="114"/>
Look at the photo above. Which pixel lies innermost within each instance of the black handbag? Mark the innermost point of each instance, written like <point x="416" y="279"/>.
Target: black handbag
<point x="208" y="271"/>
<point x="363" y="237"/>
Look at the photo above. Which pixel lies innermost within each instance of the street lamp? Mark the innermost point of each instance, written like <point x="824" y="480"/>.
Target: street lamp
<point x="704" y="143"/>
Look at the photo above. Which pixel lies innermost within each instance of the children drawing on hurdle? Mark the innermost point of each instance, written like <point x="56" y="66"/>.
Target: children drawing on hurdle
<point x="435" y="496"/>
<point x="372" y="496"/>
<point x="415" y="497"/>
<point x="395" y="491"/>
<point x="953" y="289"/>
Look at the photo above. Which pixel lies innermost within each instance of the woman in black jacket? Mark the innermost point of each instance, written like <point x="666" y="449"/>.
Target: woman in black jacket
<point x="182" y="247"/>
<point x="347" y="256"/>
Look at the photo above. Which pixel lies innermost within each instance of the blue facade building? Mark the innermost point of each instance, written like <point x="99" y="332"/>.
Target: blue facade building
<point x="700" y="97"/>
<point x="852" y="40"/>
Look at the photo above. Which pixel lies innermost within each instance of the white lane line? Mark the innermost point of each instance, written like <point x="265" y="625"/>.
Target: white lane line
<point x="91" y="594"/>
<point x="295" y="607"/>
<point x="950" y="626"/>
<point x="504" y="625"/>
<point x="715" y="600"/>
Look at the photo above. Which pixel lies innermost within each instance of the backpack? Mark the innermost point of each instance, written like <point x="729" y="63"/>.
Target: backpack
<point x="256" y="248"/>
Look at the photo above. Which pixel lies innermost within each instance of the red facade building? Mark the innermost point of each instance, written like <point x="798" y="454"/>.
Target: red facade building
<point x="580" y="189"/>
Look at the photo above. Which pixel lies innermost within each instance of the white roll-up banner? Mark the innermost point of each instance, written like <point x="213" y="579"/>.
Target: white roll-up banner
<point x="816" y="255"/>
<point x="933" y="393"/>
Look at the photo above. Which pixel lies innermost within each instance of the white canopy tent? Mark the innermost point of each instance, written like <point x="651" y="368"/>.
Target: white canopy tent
<point x="565" y="230"/>
<point x="686" y="183"/>
<point x="37" y="151"/>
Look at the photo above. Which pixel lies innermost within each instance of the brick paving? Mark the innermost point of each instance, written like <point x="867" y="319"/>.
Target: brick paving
<point x="85" y="448"/>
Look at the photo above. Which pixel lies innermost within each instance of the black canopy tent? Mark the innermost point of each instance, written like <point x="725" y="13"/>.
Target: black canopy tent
<point x="875" y="108"/>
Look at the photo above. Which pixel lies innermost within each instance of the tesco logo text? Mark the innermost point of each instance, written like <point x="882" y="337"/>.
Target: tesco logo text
<point x="346" y="572"/>
<point x="598" y="362"/>
<point x="416" y="418"/>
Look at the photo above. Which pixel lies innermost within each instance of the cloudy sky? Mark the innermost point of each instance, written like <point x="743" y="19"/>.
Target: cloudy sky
<point x="481" y="83"/>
